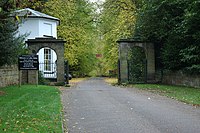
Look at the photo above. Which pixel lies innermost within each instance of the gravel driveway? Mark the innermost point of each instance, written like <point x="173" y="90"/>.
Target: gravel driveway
<point x="93" y="106"/>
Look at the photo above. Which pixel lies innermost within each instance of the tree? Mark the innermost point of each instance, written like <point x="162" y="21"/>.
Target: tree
<point x="190" y="55"/>
<point x="38" y="5"/>
<point x="10" y="44"/>
<point x="172" y="25"/>
<point x="77" y="28"/>
<point x="117" y="21"/>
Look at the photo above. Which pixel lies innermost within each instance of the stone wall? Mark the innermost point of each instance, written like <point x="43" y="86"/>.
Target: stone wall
<point x="8" y="75"/>
<point x="179" y="78"/>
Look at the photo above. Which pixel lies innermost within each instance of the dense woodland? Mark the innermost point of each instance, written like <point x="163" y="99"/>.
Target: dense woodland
<point x="173" y="26"/>
<point x="93" y="28"/>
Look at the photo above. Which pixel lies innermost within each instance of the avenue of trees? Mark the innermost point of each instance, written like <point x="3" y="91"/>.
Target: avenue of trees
<point x="117" y="21"/>
<point x="172" y="25"/>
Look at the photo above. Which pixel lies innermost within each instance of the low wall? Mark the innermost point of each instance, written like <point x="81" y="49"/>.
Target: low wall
<point x="179" y="78"/>
<point x="8" y="75"/>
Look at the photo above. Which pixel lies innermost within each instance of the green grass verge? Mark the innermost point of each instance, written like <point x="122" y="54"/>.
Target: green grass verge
<point x="30" y="109"/>
<point x="185" y="94"/>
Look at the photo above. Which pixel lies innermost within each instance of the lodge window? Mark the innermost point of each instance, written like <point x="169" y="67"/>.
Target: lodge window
<point x="47" y="59"/>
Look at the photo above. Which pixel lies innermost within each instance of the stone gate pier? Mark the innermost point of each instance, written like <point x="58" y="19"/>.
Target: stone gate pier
<point x="124" y="46"/>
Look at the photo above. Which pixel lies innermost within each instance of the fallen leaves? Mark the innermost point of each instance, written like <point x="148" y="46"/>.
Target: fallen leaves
<point x="196" y="105"/>
<point x="2" y="93"/>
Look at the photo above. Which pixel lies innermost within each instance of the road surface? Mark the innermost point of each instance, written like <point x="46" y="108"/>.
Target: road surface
<point x="93" y="106"/>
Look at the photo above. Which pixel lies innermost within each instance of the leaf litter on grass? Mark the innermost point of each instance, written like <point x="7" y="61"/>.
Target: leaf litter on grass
<point x="185" y="94"/>
<point x="2" y="93"/>
<point x="30" y="109"/>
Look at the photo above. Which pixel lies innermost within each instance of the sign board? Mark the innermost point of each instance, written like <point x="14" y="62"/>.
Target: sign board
<point x="28" y="62"/>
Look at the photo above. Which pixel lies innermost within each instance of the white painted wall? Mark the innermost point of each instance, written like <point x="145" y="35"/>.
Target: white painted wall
<point x="47" y="27"/>
<point x="30" y="27"/>
<point x="38" y="27"/>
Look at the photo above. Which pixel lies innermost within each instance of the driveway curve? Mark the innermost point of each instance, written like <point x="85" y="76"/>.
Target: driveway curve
<point x="93" y="106"/>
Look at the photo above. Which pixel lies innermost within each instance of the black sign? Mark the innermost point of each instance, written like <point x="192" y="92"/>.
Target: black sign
<point x="28" y="62"/>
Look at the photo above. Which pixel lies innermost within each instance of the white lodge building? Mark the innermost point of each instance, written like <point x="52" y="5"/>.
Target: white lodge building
<point x="39" y="25"/>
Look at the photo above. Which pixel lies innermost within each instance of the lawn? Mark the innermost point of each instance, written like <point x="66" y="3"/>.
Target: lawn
<point x="30" y="109"/>
<point x="185" y="94"/>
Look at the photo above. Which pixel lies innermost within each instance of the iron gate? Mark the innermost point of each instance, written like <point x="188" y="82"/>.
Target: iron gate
<point x="137" y="71"/>
<point x="48" y="70"/>
<point x="137" y="65"/>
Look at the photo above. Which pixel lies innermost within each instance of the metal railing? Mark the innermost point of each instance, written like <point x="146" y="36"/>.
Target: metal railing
<point x="48" y="70"/>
